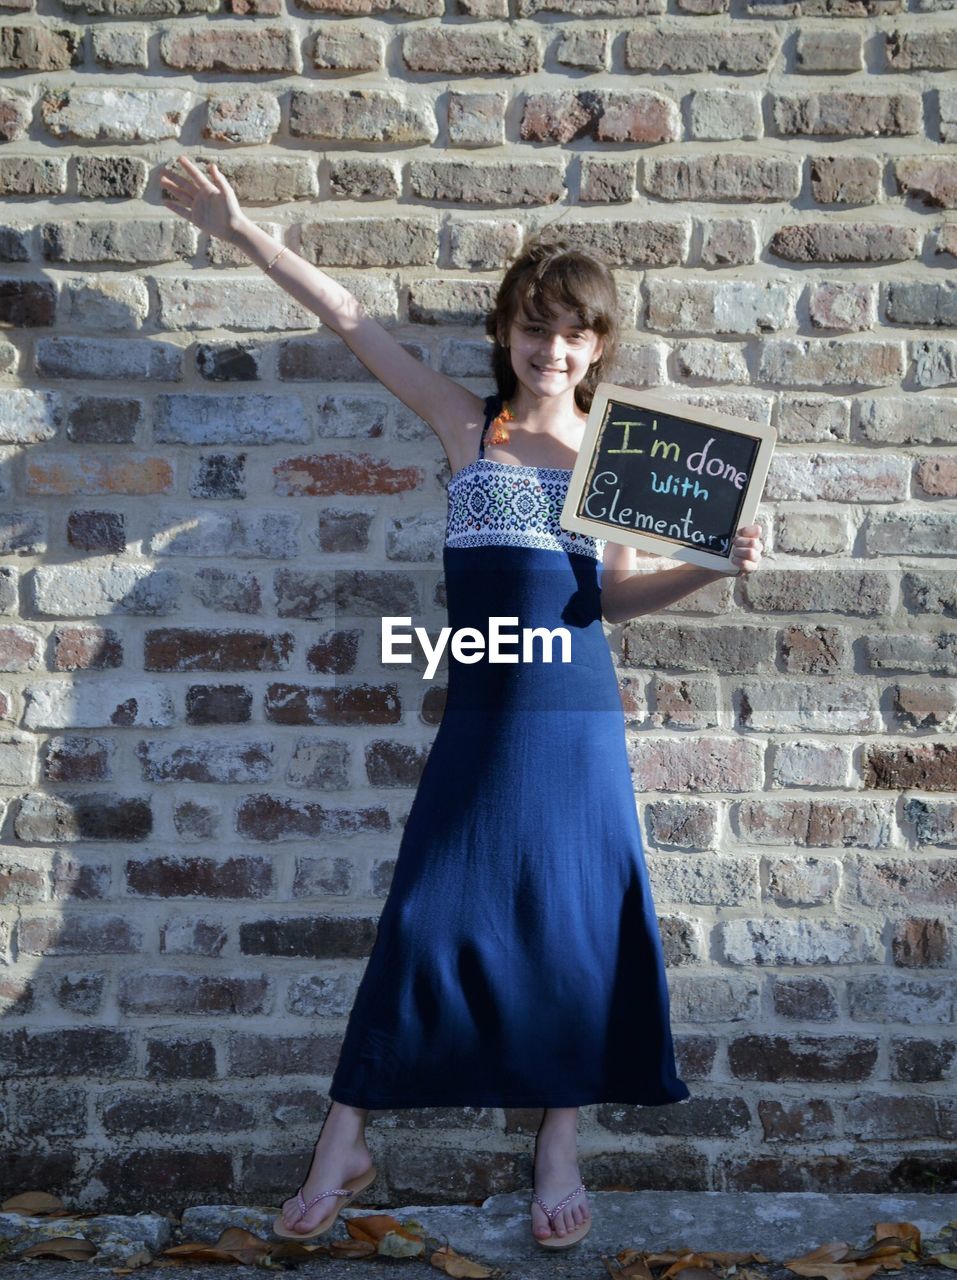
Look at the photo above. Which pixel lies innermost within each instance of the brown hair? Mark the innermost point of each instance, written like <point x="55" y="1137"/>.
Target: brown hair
<point x="550" y="272"/>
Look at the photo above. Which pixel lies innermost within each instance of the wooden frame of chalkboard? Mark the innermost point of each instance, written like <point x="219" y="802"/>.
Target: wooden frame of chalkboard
<point x="666" y="477"/>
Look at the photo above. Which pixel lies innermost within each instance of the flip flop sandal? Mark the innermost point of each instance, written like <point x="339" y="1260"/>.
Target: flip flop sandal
<point x="351" y="1189"/>
<point x="571" y="1237"/>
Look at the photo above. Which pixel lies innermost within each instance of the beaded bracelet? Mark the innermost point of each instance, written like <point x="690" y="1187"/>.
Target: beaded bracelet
<point x="269" y="266"/>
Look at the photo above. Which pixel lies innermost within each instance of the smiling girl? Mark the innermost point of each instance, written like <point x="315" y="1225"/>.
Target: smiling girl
<point x="518" y="961"/>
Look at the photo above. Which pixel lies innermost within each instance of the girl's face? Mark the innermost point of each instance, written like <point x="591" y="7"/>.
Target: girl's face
<point x="551" y="354"/>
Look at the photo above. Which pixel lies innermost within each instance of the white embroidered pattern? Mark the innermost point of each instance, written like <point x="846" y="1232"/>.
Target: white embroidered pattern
<point x="502" y="504"/>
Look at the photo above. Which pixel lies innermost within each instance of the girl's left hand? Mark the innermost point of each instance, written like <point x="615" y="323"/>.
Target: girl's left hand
<point x="746" y="548"/>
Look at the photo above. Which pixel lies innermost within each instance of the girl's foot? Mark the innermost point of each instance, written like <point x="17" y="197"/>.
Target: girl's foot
<point x="556" y="1175"/>
<point x="340" y="1153"/>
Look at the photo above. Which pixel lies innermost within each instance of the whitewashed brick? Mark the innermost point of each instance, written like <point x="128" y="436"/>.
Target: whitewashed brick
<point x="83" y="590"/>
<point x="707" y="879"/>
<point x="18" y="759"/>
<point x="810" y="764"/>
<point x="111" y="302"/>
<point x="252" y="303"/>
<point x="224" y="419"/>
<point x="838" y="477"/>
<point x="27" y="417"/>
<point x="117" y="114"/>
<point x="725" y="113"/>
<point x="812" y="942"/>
<point x="202" y="531"/>
<point x="91" y="704"/>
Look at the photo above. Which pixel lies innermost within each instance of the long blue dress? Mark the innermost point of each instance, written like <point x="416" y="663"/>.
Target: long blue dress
<point x="518" y="961"/>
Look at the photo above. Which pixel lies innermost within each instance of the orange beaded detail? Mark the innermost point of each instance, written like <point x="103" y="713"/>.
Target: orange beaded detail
<point x="499" y="433"/>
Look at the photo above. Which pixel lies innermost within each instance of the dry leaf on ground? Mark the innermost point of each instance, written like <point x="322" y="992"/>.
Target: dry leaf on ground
<point x="894" y="1244"/>
<point x="391" y="1238"/>
<point x="34" y="1204"/>
<point x="456" y="1264"/>
<point x="65" y="1248"/>
<point x="902" y="1229"/>
<point x="235" y="1244"/>
<point x="630" y="1263"/>
<point x="287" y="1250"/>
<point x="351" y="1248"/>
<point x="687" y="1264"/>
<point x="141" y="1259"/>
<point x="708" y="1262"/>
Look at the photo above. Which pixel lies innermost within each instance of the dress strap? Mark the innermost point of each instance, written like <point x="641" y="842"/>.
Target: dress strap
<point x="492" y="406"/>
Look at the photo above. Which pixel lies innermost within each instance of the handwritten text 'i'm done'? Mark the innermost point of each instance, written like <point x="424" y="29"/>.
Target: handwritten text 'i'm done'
<point x="606" y="485"/>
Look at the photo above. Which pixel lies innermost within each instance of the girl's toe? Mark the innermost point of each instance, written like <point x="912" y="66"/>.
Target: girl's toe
<point x="540" y="1227"/>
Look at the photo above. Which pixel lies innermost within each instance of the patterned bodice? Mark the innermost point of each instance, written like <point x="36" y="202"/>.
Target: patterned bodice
<point x="502" y="504"/>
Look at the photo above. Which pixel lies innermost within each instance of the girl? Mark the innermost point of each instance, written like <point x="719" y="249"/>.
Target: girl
<point x="518" y="960"/>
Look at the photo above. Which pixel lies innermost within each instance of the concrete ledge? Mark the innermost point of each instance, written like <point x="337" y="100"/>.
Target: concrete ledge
<point x="776" y="1225"/>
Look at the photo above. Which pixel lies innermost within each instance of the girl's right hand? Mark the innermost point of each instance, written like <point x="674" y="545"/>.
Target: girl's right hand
<point x="209" y="204"/>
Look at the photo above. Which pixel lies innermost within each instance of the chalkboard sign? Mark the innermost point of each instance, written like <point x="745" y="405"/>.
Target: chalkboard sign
<point x="662" y="476"/>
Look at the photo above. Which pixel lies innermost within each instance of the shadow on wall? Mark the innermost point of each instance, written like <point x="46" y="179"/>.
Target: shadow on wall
<point x="203" y="786"/>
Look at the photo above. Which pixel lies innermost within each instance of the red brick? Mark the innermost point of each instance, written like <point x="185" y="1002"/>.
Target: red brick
<point x="187" y="649"/>
<point x="86" y="649"/>
<point x="78" y="759"/>
<point x="187" y="877"/>
<point x="143" y="1179"/>
<point x="17" y="996"/>
<point x="930" y="767"/>
<point x="66" y="1051"/>
<point x="96" y="531"/>
<point x="930" y="179"/>
<point x="937" y="477"/>
<point x="922" y="944"/>
<point x="83" y="815"/>
<point x="83" y="473"/>
<point x="21" y="881"/>
<point x="145" y="992"/>
<point x="103" y="419"/>
<point x="178" y="1059"/>
<point x="20" y="649"/>
<point x="190" y="1112"/>
<point x="271" y="817"/>
<point x="27" y="303"/>
<point x="805" y="1120"/>
<point x="316" y="937"/>
<point x="334" y="652"/>
<point x="394" y="764"/>
<point x="72" y="934"/>
<point x="344" y="704"/>
<point x="40" y="48"/>
<point x="263" y="1054"/>
<point x="791" y="1172"/>
<point x="330" y="473"/>
<point x="821" y="1059"/>
<point x="921" y="1061"/>
<point x="230" y="47"/>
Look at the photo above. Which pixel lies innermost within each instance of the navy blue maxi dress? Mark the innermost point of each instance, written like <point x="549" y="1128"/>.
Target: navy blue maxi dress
<point x="518" y="961"/>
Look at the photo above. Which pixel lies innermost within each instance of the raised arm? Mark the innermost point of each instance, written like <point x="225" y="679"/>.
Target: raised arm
<point x="449" y="408"/>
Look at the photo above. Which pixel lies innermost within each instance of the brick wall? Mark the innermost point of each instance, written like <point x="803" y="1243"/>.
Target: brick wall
<point x="204" y="775"/>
